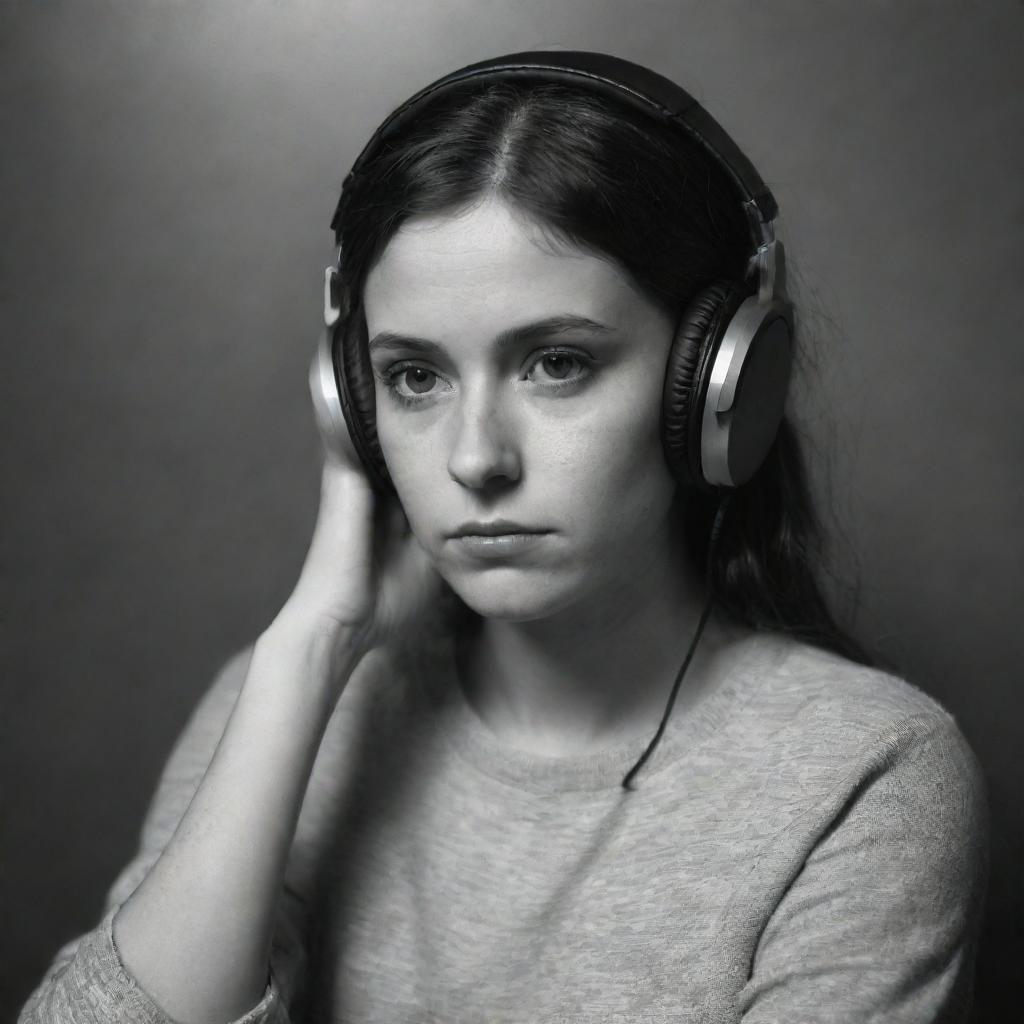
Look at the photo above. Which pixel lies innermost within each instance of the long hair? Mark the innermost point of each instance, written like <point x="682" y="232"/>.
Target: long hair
<point x="590" y="175"/>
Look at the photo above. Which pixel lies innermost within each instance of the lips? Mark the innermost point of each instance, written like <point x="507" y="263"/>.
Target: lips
<point x="495" y="528"/>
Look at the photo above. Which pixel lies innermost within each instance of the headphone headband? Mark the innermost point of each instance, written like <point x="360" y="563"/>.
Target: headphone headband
<point x="645" y="90"/>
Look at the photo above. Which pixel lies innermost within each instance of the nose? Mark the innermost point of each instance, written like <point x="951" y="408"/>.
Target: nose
<point x="484" y="452"/>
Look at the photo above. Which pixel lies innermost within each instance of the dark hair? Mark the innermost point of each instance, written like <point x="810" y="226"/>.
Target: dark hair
<point x="590" y="175"/>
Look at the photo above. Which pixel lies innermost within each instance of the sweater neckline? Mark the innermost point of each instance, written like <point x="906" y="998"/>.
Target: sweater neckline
<point x="696" y="717"/>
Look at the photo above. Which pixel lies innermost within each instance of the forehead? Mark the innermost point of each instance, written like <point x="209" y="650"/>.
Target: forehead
<point x="485" y="266"/>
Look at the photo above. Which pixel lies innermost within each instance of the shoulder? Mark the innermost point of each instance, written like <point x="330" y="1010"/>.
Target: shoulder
<point x="844" y="757"/>
<point x="873" y="825"/>
<point x="818" y="728"/>
<point x="828" y="702"/>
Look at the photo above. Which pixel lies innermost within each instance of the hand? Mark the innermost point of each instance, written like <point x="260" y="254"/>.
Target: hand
<point x="365" y="575"/>
<point x="365" y="579"/>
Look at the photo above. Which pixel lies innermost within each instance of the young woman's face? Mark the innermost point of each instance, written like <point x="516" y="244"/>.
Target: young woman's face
<point x="518" y="409"/>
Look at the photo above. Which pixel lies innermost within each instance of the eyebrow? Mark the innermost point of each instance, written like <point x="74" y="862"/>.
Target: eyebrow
<point x="514" y="335"/>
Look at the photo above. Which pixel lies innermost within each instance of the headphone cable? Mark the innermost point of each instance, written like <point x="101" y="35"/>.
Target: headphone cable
<point x="716" y="529"/>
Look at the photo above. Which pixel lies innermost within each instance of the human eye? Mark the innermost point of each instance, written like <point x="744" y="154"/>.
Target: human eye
<point x="560" y="368"/>
<point x="409" y="383"/>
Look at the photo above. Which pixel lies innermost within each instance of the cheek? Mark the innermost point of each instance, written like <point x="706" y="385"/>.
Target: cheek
<point x="609" y="463"/>
<point x="625" y="421"/>
<point x="412" y="462"/>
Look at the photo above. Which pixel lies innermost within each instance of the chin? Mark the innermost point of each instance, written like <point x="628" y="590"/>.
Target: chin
<point x="511" y="594"/>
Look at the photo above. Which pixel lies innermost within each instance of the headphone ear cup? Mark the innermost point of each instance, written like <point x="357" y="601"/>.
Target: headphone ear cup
<point x="687" y="375"/>
<point x="354" y="376"/>
<point x="327" y="404"/>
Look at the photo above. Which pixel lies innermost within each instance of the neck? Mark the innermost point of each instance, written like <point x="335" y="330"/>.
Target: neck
<point x="597" y="673"/>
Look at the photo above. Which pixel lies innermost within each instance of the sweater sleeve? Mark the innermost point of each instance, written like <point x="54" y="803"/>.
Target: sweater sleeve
<point x="881" y="922"/>
<point x="87" y="982"/>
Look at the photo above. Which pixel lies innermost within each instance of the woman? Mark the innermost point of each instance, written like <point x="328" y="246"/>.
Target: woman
<point x="428" y="791"/>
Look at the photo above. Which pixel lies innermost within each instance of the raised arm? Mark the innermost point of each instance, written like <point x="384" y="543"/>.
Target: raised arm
<point x="201" y="896"/>
<point x="189" y="926"/>
<point x="196" y="933"/>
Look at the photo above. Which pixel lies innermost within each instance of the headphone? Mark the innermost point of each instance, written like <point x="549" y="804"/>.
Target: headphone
<point x="728" y="368"/>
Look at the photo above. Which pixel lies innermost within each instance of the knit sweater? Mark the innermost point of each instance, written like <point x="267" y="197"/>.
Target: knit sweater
<point x="808" y="842"/>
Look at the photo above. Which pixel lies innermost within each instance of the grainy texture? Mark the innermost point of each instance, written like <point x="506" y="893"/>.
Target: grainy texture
<point x="167" y="180"/>
<point x="809" y="841"/>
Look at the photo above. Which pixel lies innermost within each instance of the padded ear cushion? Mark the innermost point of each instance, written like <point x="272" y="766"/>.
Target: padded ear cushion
<point x="358" y="398"/>
<point x="687" y="375"/>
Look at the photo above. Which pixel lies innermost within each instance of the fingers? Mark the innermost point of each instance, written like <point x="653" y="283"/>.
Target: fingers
<point x="346" y="515"/>
<point x="409" y="589"/>
<point x="364" y="565"/>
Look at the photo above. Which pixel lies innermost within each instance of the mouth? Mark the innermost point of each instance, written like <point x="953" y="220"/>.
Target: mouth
<point x="496" y="528"/>
<point x="498" y="539"/>
<point x="499" y="545"/>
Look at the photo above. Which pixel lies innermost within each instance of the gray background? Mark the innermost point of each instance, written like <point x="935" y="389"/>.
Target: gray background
<point x="168" y="175"/>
